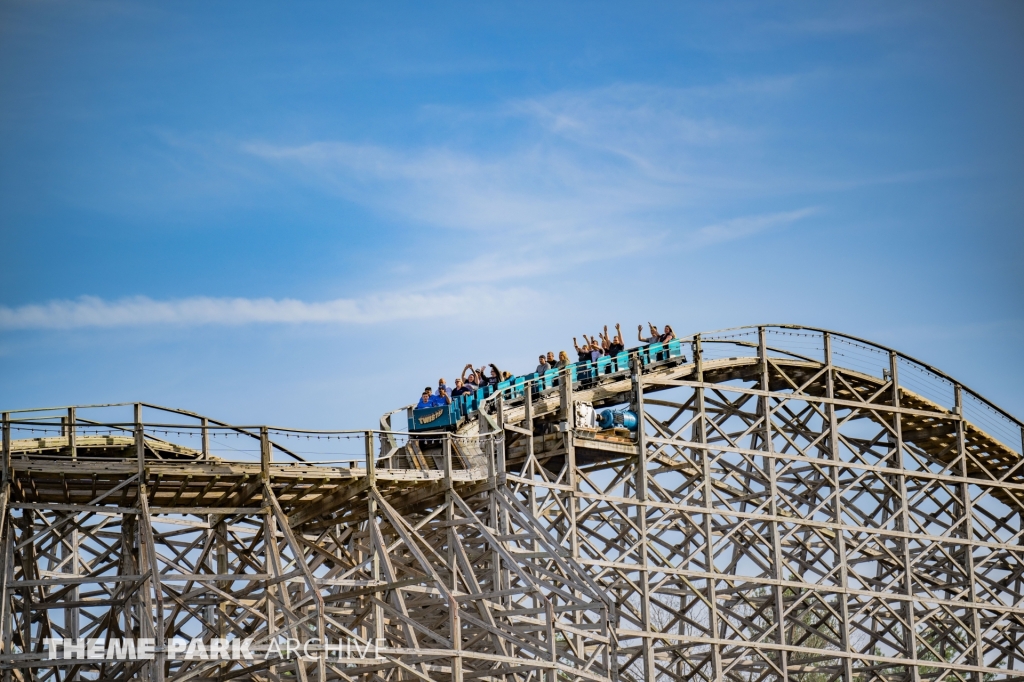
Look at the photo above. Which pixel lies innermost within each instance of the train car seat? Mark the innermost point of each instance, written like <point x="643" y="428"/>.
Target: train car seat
<point x="622" y="361"/>
<point x="549" y="377"/>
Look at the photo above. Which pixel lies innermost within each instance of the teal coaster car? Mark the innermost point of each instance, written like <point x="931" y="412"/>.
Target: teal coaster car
<point x="435" y="418"/>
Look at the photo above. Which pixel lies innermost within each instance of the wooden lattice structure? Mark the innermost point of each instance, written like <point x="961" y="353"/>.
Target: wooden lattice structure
<point x="797" y="504"/>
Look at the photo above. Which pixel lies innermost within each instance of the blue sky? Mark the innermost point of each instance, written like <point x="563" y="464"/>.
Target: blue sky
<point x="302" y="213"/>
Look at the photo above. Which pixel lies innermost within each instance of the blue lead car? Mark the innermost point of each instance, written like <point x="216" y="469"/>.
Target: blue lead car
<point x="433" y="418"/>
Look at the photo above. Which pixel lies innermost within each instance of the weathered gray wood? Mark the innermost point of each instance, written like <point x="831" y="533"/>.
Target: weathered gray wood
<point x="779" y="514"/>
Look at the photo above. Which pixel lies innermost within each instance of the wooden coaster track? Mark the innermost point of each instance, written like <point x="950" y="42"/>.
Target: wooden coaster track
<point x="797" y="504"/>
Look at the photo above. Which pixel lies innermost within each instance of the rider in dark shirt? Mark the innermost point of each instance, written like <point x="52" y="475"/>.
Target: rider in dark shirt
<point x="584" y="352"/>
<point x="460" y="389"/>
<point x="612" y="345"/>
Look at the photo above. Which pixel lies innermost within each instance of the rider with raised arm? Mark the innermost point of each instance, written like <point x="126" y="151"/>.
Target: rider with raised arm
<point x="472" y="382"/>
<point x="616" y="345"/>
<point x="584" y="352"/>
<point x="653" y="338"/>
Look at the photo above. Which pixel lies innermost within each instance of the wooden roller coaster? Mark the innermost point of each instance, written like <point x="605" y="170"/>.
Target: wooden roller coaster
<point x="795" y="504"/>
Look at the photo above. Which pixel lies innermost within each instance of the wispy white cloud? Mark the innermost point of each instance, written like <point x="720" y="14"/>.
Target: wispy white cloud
<point x="538" y="190"/>
<point x="138" y="311"/>
<point x="659" y="130"/>
<point x="569" y="166"/>
<point x="745" y="226"/>
<point x="580" y="170"/>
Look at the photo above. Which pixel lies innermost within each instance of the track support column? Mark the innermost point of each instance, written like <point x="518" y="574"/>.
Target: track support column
<point x="837" y="510"/>
<point x="640" y="482"/>
<point x="700" y="436"/>
<point x="904" y="522"/>
<point x="778" y="592"/>
<point x="968" y="512"/>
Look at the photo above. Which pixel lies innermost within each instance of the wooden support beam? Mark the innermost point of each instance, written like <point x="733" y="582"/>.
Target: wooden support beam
<point x="779" y="515"/>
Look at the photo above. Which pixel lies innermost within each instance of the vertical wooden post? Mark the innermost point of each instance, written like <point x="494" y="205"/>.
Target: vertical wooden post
<point x="765" y="409"/>
<point x="153" y="623"/>
<point x="134" y="607"/>
<point x="206" y="438"/>
<point x="700" y="436"/>
<point x="446" y="453"/>
<point x="837" y="510"/>
<point x="499" y="412"/>
<point x="376" y="550"/>
<point x="968" y="533"/>
<point x="371" y="464"/>
<point x="69" y="552"/>
<point x="903" y="522"/>
<point x="640" y="483"/>
<point x="498" y="443"/>
<point x="29" y="571"/>
<point x="5" y="463"/>
<point x="493" y="508"/>
<point x="140" y="447"/>
<point x="567" y="404"/>
<point x="72" y="440"/>
<point x="266" y="456"/>
<point x="220" y="531"/>
<point x="454" y="619"/>
<point x="492" y="465"/>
